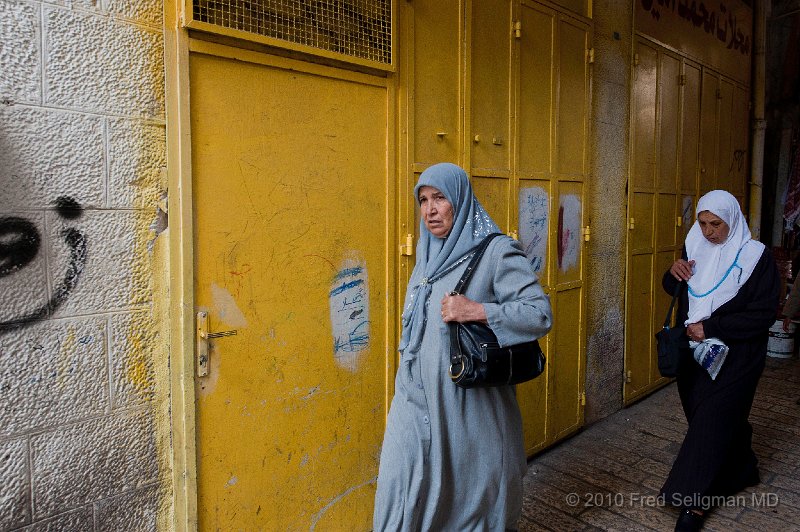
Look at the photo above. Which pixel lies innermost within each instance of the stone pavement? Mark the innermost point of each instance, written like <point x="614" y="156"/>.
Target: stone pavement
<point x="607" y="476"/>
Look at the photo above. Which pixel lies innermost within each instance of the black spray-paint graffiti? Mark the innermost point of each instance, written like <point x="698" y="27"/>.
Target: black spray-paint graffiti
<point x="721" y="24"/>
<point x="737" y="162"/>
<point x="19" y="244"/>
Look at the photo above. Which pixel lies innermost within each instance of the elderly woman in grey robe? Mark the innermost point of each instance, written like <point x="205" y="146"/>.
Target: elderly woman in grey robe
<point x="453" y="458"/>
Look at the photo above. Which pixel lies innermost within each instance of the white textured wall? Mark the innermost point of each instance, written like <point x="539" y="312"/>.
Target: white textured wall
<point x="81" y="346"/>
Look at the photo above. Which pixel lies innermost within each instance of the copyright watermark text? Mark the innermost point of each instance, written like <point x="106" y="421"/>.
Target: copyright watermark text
<point x="609" y="499"/>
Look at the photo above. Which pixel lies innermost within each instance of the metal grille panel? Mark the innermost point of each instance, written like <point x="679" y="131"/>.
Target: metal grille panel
<point x="356" y="28"/>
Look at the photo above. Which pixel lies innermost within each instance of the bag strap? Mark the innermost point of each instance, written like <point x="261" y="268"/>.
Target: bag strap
<point x="675" y="295"/>
<point x="462" y="283"/>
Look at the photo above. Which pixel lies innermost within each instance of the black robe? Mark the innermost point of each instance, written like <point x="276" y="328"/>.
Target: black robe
<point x="716" y="457"/>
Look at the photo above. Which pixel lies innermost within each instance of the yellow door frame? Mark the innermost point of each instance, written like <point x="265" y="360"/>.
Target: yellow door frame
<point x="181" y="268"/>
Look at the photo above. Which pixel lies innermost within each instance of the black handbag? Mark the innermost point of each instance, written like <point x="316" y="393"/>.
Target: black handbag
<point x="670" y="341"/>
<point x="476" y="357"/>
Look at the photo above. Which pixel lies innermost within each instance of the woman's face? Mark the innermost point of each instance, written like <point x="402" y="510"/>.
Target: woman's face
<point x="714" y="228"/>
<point x="436" y="211"/>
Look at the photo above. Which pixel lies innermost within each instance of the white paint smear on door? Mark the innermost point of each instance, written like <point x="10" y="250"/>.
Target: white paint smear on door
<point x="226" y="308"/>
<point x="569" y="231"/>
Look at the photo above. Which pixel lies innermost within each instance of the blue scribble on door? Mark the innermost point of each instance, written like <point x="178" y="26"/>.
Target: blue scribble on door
<point x="533" y="215"/>
<point x="349" y="311"/>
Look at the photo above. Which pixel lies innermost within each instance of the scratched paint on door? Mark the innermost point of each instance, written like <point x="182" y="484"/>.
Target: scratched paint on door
<point x="569" y="230"/>
<point x="349" y="310"/>
<point x="533" y="213"/>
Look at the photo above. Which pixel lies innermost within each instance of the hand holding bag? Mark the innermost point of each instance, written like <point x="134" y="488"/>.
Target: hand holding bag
<point x="476" y="357"/>
<point x="670" y="341"/>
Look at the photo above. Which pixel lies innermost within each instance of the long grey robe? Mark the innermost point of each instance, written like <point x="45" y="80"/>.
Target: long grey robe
<point x="453" y="459"/>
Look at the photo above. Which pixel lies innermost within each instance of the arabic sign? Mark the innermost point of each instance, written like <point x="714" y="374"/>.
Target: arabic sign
<point x="718" y="33"/>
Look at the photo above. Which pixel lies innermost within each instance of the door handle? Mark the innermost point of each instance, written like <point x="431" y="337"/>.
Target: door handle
<point x="203" y="336"/>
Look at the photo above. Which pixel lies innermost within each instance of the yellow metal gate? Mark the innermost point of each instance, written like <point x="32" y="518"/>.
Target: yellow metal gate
<point x="688" y="136"/>
<point x="547" y="207"/>
<point x="510" y="103"/>
<point x="295" y="281"/>
<point x="292" y="200"/>
<point x="653" y="206"/>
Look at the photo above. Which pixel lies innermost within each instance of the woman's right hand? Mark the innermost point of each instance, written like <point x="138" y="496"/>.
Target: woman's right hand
<point x="461" y="309"/>
<point x="682" y="269"/>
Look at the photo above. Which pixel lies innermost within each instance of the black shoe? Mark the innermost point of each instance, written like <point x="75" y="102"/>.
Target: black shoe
<point x="753" y="479"/>
<point x="689" y="521"/>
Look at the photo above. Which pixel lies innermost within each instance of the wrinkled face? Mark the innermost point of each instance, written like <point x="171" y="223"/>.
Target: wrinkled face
<point x="714" y="228"/>
<point x="436" y="211"/>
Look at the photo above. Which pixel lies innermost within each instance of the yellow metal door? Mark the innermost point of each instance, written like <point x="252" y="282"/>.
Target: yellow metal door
<point x="489" y="111"/>
<point x="690" y="147"/>
<point x="431" y="108"/>
<point x="552" y="104"/>
<point x="641" y="205"/>
<point x="690" y="138"/>
<point x="654" y="207"/>
<point x="490" y="117"/>
<point x="724" y="131"/>
<point x="432" y="57"/>
<point x="666" y="212"/>
<point x="510" y="102"/>
<point x="291" y="200"/>
<point x="709" y="109"/>
<point x="723" y="135"/>
<point x="733" y="138"/>
<point x="738" y="162"/>
<point x="535" y="207"/>
<point x="566" y="272"/>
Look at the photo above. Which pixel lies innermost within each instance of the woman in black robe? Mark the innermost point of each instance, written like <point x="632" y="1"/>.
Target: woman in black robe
<point x="731" y="298"/>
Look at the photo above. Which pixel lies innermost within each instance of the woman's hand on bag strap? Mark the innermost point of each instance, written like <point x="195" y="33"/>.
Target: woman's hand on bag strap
<point x="462" y="309"/>
<point x="682" y="269"/>
<point x="696" y="332"/>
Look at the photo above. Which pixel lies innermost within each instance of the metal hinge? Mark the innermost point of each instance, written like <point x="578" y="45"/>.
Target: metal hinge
<point x="682" y="79"/>
<point x="587" y="233"/>
<point x="583" y="398"/>
<point x="719" y="94"/>
<point x="679" y="221"/>
<point x="631" y="223"/>
<point x="635" y="59"/>
<point x="590" y="55"/>
<point x="513" y="234"/>
<point x="407" y="248"/>
<point x="628" y="376"/>
<point x="518" y="29"/>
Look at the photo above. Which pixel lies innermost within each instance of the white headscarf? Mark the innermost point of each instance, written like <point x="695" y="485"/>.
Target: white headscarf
<point x="720" y="270"/>
<point x="437" y="256"/>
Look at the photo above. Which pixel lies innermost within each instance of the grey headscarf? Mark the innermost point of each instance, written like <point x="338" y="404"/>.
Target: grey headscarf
<point x="437" y="256"/>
